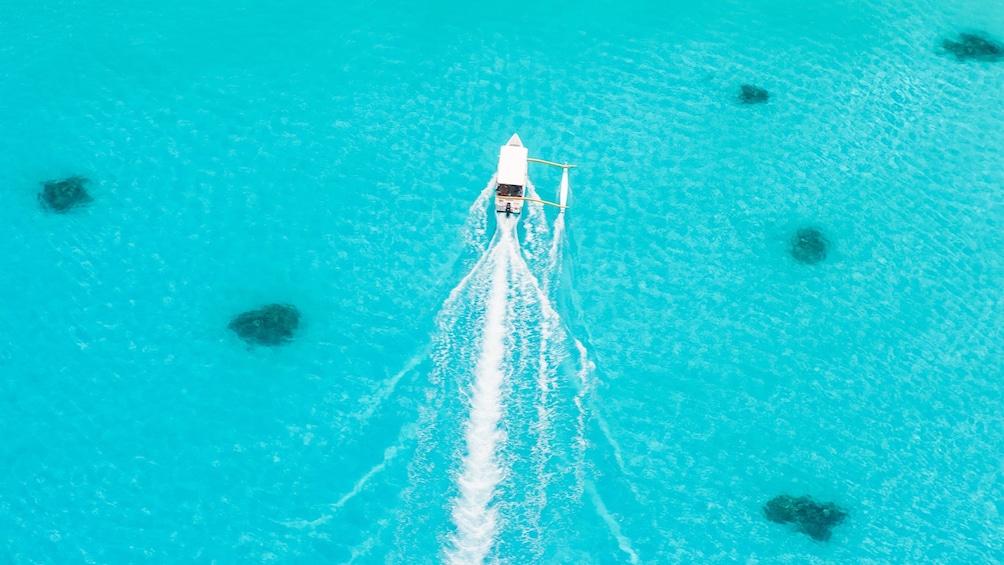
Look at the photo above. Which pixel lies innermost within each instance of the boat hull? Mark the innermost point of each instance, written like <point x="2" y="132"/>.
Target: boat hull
<point x="511" y="177"/>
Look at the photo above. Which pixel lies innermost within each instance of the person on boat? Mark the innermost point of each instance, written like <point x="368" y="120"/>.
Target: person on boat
<point x="508" y="190"/>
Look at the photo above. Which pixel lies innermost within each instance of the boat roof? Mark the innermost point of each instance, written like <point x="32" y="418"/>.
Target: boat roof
<point x="512" y="162"/>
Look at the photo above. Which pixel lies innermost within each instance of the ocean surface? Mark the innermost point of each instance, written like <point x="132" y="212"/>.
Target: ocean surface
<point x="629" y="381"/>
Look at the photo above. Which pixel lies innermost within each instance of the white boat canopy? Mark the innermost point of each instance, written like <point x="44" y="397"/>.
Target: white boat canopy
<point x="512" y="164"/>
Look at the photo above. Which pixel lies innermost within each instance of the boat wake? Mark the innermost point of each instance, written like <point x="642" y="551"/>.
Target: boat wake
<point x="480" y="473"/>
<point x="492" y="463"/>
<point x="501" y="432"/>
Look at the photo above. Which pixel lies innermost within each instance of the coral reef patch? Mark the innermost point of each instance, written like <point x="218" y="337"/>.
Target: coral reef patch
<point x="60" y="196"/>
<point x="749" y="94"/>
<point x="815" y="519"/>
<point x="974" y="47"/>
<point x="272" y="324"/>
<point x="809" y="246"/>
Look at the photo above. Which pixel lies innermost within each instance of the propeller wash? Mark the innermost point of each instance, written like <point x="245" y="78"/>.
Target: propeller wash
<point x="501" y="434"/>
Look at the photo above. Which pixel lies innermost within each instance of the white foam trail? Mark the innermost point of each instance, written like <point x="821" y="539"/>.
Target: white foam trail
<point x="554" y="256"/>
<point x="533" y="303"/>
<point x="388" y="455"/>
<point x="587" y="382"/>
<point x="549" y="337"/>
<point x="451" y="299"/>
<point x="473" y="516"/>
<point x="536" y="225"/>
<point x="522" y="273"/>
<point x="615" y="529"/>
<point x="474" y="230"/>
<point x="363" y="549"/>
<point x="605" y="428"/>
<point x="377" y="399"/>
<point x="581" y="444"/>
<point x="497" y="323"/>
<point x="476" y="225"/>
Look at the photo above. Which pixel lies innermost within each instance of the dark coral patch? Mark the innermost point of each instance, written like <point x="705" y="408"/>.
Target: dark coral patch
<point x="749" y="94"/>
<point x="974" y="47"/>
<point x="809" y="246"/>
<point x="273" y="324"/>
<point x="60" y="196"/>
<point x="815" y="519"/>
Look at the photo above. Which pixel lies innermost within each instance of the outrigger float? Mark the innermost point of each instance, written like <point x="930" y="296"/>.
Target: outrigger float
<point x="511" y="180"/>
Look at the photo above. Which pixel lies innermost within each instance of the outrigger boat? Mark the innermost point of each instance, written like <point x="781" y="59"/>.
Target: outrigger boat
<point x="511" y="180"/>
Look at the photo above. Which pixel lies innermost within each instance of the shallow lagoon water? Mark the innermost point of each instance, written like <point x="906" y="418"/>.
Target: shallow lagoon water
<point x="328" y="156"/>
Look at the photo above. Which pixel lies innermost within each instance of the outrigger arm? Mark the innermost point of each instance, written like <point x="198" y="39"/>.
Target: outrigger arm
<point x="537" y="200"/>
<point x="553" y="164"/>
<point x="564" y="183"/>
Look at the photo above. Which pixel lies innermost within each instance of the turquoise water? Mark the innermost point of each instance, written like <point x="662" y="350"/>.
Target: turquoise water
<point x="676" y="369"/>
